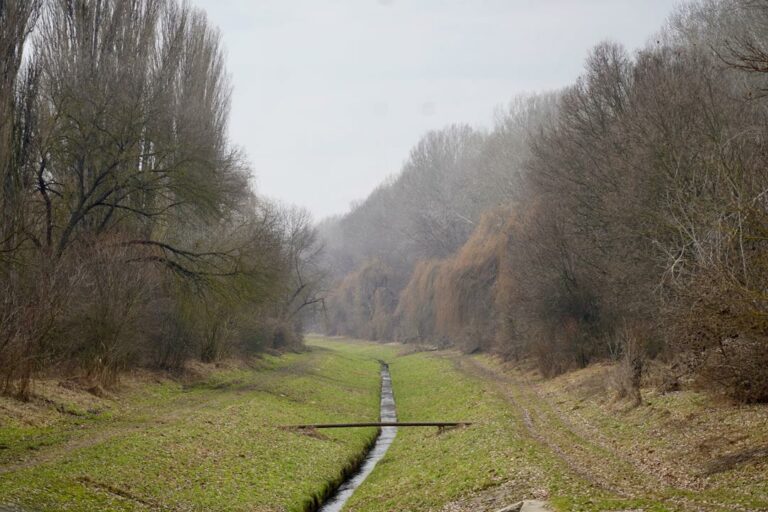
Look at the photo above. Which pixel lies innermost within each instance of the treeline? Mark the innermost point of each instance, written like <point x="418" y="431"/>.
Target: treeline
<point x="624" y="217"/>
<point x="128" y="232"/>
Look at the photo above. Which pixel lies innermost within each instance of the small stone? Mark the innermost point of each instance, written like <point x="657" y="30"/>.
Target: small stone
<point x="526" y="506"/>
<point x="535" y="506"/>
<point x="517" y="507"/>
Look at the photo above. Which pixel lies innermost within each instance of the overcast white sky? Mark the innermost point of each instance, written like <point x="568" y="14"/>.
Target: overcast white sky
<point x="330" y="95"/>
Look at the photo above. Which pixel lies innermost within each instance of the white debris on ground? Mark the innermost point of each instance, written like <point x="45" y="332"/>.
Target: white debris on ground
<point x="527" y="506"/>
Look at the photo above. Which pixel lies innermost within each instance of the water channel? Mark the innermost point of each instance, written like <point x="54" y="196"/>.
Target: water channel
<point x="386" y="436"/>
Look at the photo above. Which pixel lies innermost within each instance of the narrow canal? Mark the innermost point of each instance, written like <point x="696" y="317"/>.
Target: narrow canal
<point x="386" y="436"/>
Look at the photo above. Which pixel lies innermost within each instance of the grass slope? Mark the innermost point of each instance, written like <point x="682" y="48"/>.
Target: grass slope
<point x="426" y="470"/>
<point x="212" y="445"/>
<point x="536" y="439"/>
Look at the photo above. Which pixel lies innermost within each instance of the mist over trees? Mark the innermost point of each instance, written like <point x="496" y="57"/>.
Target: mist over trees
<point x="128" y="231"/>
<point x="624" y="218"/>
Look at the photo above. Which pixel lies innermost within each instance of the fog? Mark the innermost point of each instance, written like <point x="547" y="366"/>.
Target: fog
<point x="223" y="222"/>
<point x="332" y="94"/>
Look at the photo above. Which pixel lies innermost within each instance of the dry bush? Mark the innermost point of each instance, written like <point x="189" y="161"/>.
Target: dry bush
<point x="186" y="323"/>
<point x="551" y="359"/>
<point x="216" y="335"/>
<point x="547" y="306"/>
<point x="628" y="374"/>
<point x="363" y="304"/>
<point x="724" y="329"/>
<point x="738" y="368"/>
<point x="663" y="376"/>
<point x="510" y="341"/>
<point x="257" y="334"/>
<point x="415" y="314"/>
<point x="465" y="287"/>
<point x="507" y="291"/>
<point x="383" y="305"/>
<point x="35" y="299"/>
<point x="453" y="300"/>
<point x="102" y="332"/>
<point x="170" y="328"/>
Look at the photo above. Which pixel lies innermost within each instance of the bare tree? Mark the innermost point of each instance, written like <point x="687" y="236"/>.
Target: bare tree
<point x="17" y="93"/>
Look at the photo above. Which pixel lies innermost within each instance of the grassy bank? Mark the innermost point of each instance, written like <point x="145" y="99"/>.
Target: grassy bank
<point x="211" y="443"/>
<point x="702" y="452"/>
<point x="545" y="439"/>
<point x="429" y="470"/>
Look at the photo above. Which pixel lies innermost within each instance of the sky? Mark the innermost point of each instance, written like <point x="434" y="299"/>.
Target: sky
<point x="330" y="95"/>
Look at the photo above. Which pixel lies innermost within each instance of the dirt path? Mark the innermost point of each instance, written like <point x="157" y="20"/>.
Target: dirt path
<point x="585" y="451"/>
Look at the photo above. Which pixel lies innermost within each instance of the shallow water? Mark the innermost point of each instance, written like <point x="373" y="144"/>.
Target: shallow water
<point x="386" y="436"/>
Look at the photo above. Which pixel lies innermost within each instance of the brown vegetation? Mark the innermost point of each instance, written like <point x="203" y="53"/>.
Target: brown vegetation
<point x="451" y="300"/>
<point x="625" y="216"/>
<point x="363" y="304"/>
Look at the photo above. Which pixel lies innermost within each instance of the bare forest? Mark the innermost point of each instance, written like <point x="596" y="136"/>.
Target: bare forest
<point x="559" y="303"/>
<point x="129" y="234"/>
<point x="621" y="218"/>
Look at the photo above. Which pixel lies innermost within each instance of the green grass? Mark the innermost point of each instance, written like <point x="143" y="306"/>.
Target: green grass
<point x="213" y="445"/>
<point x="684" y="432"/>
<point x="425" y="470"/>
<point x="509" y="455"/>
